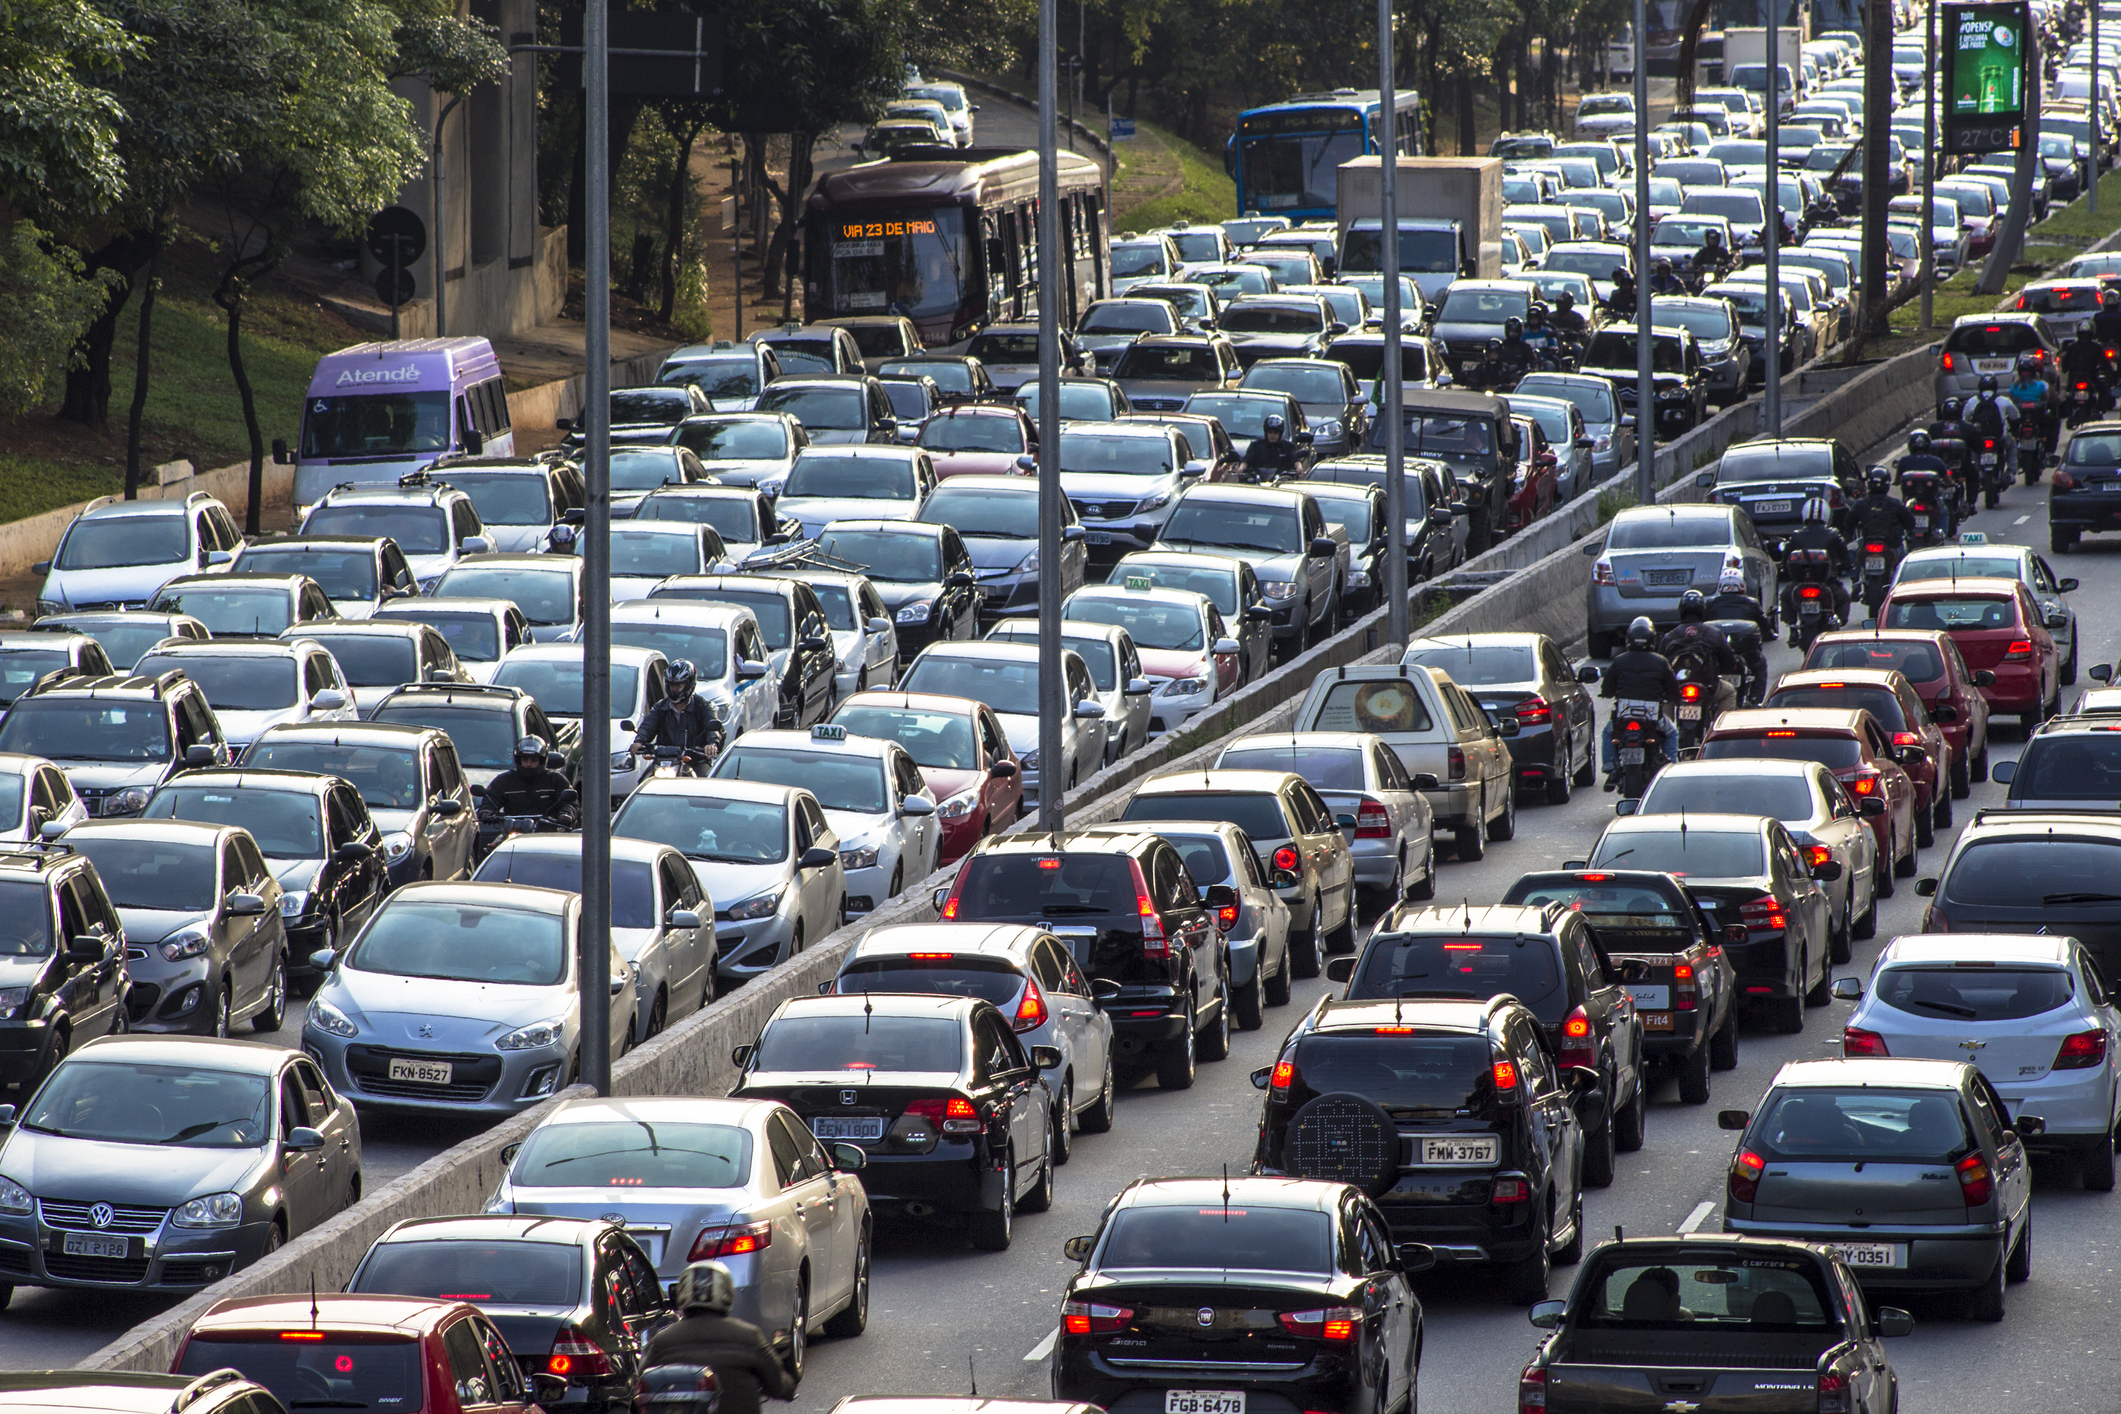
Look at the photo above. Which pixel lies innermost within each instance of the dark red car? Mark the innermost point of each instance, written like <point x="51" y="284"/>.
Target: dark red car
<point x="1998" y="627"/>
<point x="335" y="1351"/>
<point x="1930" y="661"/>
<point x="1533" y="492"/>
<point x="965" y="759"/>
<point x="1892" y="700"/>
<point x="1853" y="746"/>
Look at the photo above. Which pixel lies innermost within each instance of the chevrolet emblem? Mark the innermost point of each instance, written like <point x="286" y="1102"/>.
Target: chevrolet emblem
<point x="1971" y="1045"/>
<point x="1681" y="1406"/>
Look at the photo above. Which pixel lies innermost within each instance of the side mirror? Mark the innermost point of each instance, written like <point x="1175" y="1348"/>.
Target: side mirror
<point x="280" y="456"/>
<point x="1871" y="805"/>
<point x="1894" y="1322"/>
<point x="849" y="1158"/>
<point x="1104" y="990"/>
<point x="740" y="1056"/>
<point x="1984" y="678"/>
<point x="627" y="725"/>
<point x="2029" y="1126"/>
<point x="1002" y="770"/>
<point x="1193" y="468"/>
<point x="618" y="985"/>
<point x="1547" y="1314"/>
<point x="684" y="918"/>
<point x="958" y="579"/>
<point x="1705" y="480"/>
<point x="2065" y="585"/>
<point x="329" y="700"/>
<point x="750" y="669"/>
<point x="1827" y="871"/>
<point x="1323" y="548"/>
<point x="1139" y="687"/>
<point x="1414" y="1257"/>
<point x="1507" y="725"/>
<point x="1587" y="674"/>
<point x="446" y="809"/>
<point x="1588" y="1097"/>
<point x="1088" y="711"/>
<point x="1591" y="552"/>
<point x="245" y="906"/>
<point x="2097" y="672"/>
<point x="1909" y="755"/>
<point x="818" y="857"/>
<point x="199" y="755"/>
<point x="1336" y="328"/>
<point x="548" y="1389"/>
<point x="350" y="854"/>
<point x="1258" y="614"/>
<point x="302" y="1139"/>
<point x="1733" y="1119"/>
<point x="1027" y="464"/>
<point x="915" y="807"/>
<point x="1340" y="969"/>
<point x="1848" y="989"/>
<point x="563" y="424"/>
<point x="474" y="442"/>
<point x="818" y="643"/>
<point x="1077" y="1249"/>
<point x="1633" y="969"/>
<point x="2057" y="619"/>
<point x="1626" y="807"/>
<point x="45" y="567"/>
<point x="322" y="959"/>
<point x="1219" y="896"/>
<point x="940" y="897"/>
<point x="1262" y="1077"/>
<point x="1228" y="645"/>
<point x="2003" y="772"/>
<point x="1925" y="888"/>
<point x="86" y="947"/>
<point x="1424" y="781"/>
<point x="1047" y="1057"/>
<point x="1072" y="533"/>
<point x="475" y="545"/>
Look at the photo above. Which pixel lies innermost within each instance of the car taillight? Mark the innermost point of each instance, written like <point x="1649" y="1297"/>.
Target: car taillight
<point x="1226" y="917"/>
<point x="1809" y="591"/>
<point x="2020" y="648"/>
<point x="1154" y="941"/>
<point x="1976" y="1184"/>
<point x="1089" y="1318"/>
<point x="1287" y="860"/>
<point x="1865" y="782"/>
<point x="1745" y="1176"/>
<point x="1763" y="912"/>
<point x="1690" y="692"/>
<point x="1906" y="739"/>
<point x="1283" y="1078"/>
<point x="1031" y="1011"/>
<point x="576" y="1356"/>
<point x="1505" y="1073"/>
<point x="1510" y="1190"/>
<point x="1874" y="547"/>
<point x="1855" y="1041"/>
<point x="1818" y="854"/>
<point x="1602" y="572"/>
<point x="1337" y="1323"/>
<point x="1687" y="992"/>
<point x="2081" y="1051"/>
<point x="1455" y="759"/>
<point x="1577" y="1046"/>
<point x="714" y="1243"/>
<point x="1533" y="712"/>
<point x="957" y="887"/>
<point x="1833" y="1394"/>
<point x="1948" y="363"/>
<point x="2064" y="481"/>
<point x="954" y="1115"/>
<point x="1372" y="820"/>
<point x="1532" y="1392"/>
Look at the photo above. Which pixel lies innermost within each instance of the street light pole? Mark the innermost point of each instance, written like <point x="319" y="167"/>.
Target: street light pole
<point x="594" y="966"/>
<point x="1929" y="165"/>
<point x="1645" y="390"/>
<point x="1771" y="236"/>
<point x="1397" y="616"/>
<point x="1052" y="694"/>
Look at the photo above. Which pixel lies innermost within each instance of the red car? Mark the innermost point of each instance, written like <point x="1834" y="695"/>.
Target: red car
<point x="1950" y="691"/>
<point x="1852" y="745"/>
<point x="367" y="1352"/>
<point x="1997" y="626"/>
<point x="1892" y="700"/>
<point x="1538" y="482"/>
<point x="965" y="759"/>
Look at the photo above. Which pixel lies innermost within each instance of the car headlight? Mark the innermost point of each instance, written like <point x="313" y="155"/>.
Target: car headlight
<point x="1184" y="687"/>
<point x="771" y="487"/>
<point x="14" y="1198"/>
<point x="1357" y="577"/>
<point x="1329" y="429"/>
<point x="12" y="999"/>
<point x="622" y="760"/>
<point x="396" y="846"/>
<point x="130" y="801"/>
<point x="293" y="902"/>
<point x="1150" y="503"/>
<point x="189" y="943"/>
<point x="1029" y="564"/>
<point x="864" y="858"/>
<point x="1028" y="761"/>
<point x="214" y="1210"/>
<point x="957" y="807"/>
<point x="329" y="1019"/>
<point x="915" y="613"/>
<point x="1278" y="588"/>
<point x="762" y="906"/>
<point x="533" y="1037"/>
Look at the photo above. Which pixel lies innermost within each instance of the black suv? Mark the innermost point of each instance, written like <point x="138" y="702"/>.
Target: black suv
<point x="1129" y="912"/>
<point x="1772" y="477"/>
<point x="1453" y="1114"/>
<point x="117" y="737"/>
<point x="1547" y="958"/>
<point x="62" y="953"/>
<point x="2033" y="871"/>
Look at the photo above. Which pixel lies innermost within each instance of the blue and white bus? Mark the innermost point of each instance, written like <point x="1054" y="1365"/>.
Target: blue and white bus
<point x="1285" y="157"/>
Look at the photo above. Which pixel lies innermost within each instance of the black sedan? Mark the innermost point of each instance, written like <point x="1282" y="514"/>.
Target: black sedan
<point x="1524" y="675"/>
<point x="1203" y="1294"/>
<point x="954" y="1113"/>
<point x="1360" y="510"/>
<point x="924" y="573"/>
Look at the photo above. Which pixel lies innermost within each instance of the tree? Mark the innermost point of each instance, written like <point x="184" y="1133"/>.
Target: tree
<point x="46" y="298"/>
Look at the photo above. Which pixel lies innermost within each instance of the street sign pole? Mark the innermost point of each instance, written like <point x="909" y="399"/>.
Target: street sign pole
<point x="595" y="964"/>
<point x="1645" y="391"/>
<point x="1052" y="695"/>
<point x="1929" y="166"/>
<point x="1772" y="235"/>
<point x="1397" y="616"/>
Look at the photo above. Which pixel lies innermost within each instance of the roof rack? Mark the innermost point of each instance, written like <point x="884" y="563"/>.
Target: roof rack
<point x="35" y="854"/>
<point x="803" y="554"/>
<point x="201" y="1387"/>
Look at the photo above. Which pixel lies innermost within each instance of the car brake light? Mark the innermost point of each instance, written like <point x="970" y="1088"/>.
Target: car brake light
<point x="1687" y="993"/>
<point x="1745" y="1176"/>
<point x="1948" y="363"/>
<point x="577" y="1356"/>
<point x="1226" y="917"/>
<point x="1988" y="444"/>
<point x="2019" y="648"/>
<point x="1154" y="942"/>
<point x="1510" y="1190"/>
<point x="2081" y="1051"/>
<point x="1336" y="1323"/>
<point x="1534" y="711"/>
<point x="1089" y="1318"/>
<point x="1505" y="1073"/>
<point x="1577" y="1047"/>
<point x="1690" y="692"/>
<point x="1855" y="1041"/>
<point x="1031" y="1011"/>
<point x="1833" y="1393"/>
<point x="1372" y="820"/>
<point x="955" y="1115"/>
<point x="1864" y="783"/>
<point x="1906" y="739"/>
<point x="1532" y="1392"/>
<point x="301" y="1335"/>
<point x="1602" y="572"/>
<point x="2064" y="481"/>
<point x="1455" y="758"/>
<point x="1818" y="854"/>
<point x="1763" y="912"/>
<point x="1284" y="1077"/>
<point x="957" y="887"/>
<point x="1976" y="1184"/>
<point x="718" y="1242"/>
<point x="1287" y="860"/>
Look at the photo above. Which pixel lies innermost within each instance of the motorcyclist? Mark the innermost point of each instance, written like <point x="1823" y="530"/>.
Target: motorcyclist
<point x="1824" y="211"/>
<point x="1663" y="281"/>
<point x="2030" y="392"/>
<point x="1816" y="534"/>
<point x="530" y="787"/>
<point x="2084" y="361"/>
<point x="1518" y="357"/>
<point x="1696" y="637"/>
<point x="1986" y="418"/>
<point x="1732" y="602"/>
<point x="2106" y="324"/>
<point x="1539" y="336"/>
<point x="1879" y="519"/>
<point x="744" y="1364"/>
<point x="1921" y="455"/>
<point x="1271" y="453"/>
<point x="1639" y="674"/>
<point x="1565" y="320"/>
<point x="1622" y="300"/>
<point x="682" y="719"/>
<point x="1490" y="372"/>
<point x="1713" y="261"/>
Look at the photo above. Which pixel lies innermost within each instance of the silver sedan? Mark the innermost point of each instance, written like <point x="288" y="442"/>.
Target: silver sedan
<point x="1386" y="818"/>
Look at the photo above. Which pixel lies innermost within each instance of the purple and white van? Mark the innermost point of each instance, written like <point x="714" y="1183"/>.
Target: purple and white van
<point x="376" y="412"/>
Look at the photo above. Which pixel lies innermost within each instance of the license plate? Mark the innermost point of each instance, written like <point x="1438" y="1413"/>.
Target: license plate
<point x="1651" y="996"/>
<point x="1204" y="1401"/>
<point x="1690" y="711"/>
<point x="1808" y="609"/>
<point x="422" y="1072"/>
<point x="1772" y="508"/>
<point x="94" y="1244"/>
<point x="1458" y="1151"/>
<point x="1667" y="576"/>
<point x="1656" y="1021"/>
<point x="1988" y="458"/>
<point x="997" y="591"/>
<point x="856" y="1128"/>
<point x="1873" y="1254"/>
<point x="1631" y="756"/>
<point x="1874" y="562"/>
<point x="1098" y="537"/>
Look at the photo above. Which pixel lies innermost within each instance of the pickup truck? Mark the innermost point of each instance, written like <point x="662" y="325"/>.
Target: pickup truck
<point x="1712" y="1321"/>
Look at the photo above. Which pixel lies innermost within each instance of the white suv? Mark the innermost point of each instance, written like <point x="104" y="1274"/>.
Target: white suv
<point x="116" y="554"/>
<point x="433" y="522"/>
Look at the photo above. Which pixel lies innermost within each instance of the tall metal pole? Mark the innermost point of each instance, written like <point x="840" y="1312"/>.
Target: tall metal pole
<point x="2091" y="108"/>
<point x="1396" y="616"/>
<point x="434" y="189"/>
<point x="596" y="554"/>
<point x="736" y="244"/>
<point x="1929" y="167"/>
<point x="1645" y="391"/>
<point x="1771" y="237"/>
<point x="1052" y="694"/>
<point x="1879" y="90"/>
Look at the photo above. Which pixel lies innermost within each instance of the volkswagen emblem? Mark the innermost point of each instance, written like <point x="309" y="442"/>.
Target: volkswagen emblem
<point x="100" y="1215"/>
<point x="1205" y="1315"/>
<point x="619" y="1218"/>
<point x="425" y="1032"/>
<point x="847" y="1097"/>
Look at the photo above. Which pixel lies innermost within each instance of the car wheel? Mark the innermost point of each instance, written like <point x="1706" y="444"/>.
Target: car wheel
<point x="1303" y="947"/>
<point x="1277" y="986"/>
<point x="1598" y="1154"/>
<point x="1063" y="1142"/>
<point x="854" y="1319"/>
<point x="1342" y="939"/>
<point x="1694" y="1077"/>
<point x="221" y="1009"/>
<point x="1098" y="1118"/>
<point x="2097" y="1167"/>
<point x="1176" y="1062"/>
<point x="1723" y="1042"/>
<point x="1882" y="871"/>
<point x="798" y="1330"/>
<point x="1837" y="935"/>
<point x="1985" y="1302"/>
<point x="1789" y="1011"/>
<point x="1214" y="1044"/>
<point x="1471" y="837"/>
<point x="1941" y="815"/>
<point x="1504" y="826"/>
<point x="1628" y="1129"/>
<point x="1925" y="825"/>
<point x="1587" y="773"/>
<point x="1979" y="772"/>
<point x="992" y="1228"/>
<point x="2020" y="1266"/>
<point x="2069" y="668"/>
<point x="1904" y="867"/>
<point x="274" y="1015"/>
<point x="659" y="1014"/>
<point x="795" y="941"/>
<point x="1962" y="784"/>
<point x="1560" y="781"/>
<point x="1823" y="993"/>
<point x="1245" y="1000"/>
<point x="1572" y="1251"/>
<point x="1426" y="889"/>
<point x="275" y="1238"/>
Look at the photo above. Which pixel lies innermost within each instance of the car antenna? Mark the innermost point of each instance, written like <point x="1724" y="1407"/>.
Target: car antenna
<point x="868" y="1010"/>
<point x="1468" y="927"/>
<point x="1682" y="829"/>
<point x="972" y="1366"/>
<point x="1226" y="1195"/>
<point x="1620" y="1234"/>
<point x="312" y="1300"/>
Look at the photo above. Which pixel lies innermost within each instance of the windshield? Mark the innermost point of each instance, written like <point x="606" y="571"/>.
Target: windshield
<point x="1366" y="360"/>
<point x="1595" y="403"/>
<point x="25" y="905"/>
<point x="645" y="468"/>
<point x="245" y="684"/>
<point x="1146" y="258"/>
<point x="908" y="263"/>
<point x="232" y="612"/>
<point x="976" y="433"/>
<point x="735" y="439"/>
<point x="861" y="1042"/>
<point x="377" y="425"/>
<point x="557" y="684"/>
<point x="448" y="942"/>
<point x="985" y="512"/>
<point x="655" y="554"/>
<point x="1686" y="853"/>
<point x="2079" y="766"/>
<point x="1257" y="813"/>
<point x="1115" y="453"/>
<point x="706" y="648"/>
<point x="1389" y="705"/>
<point x="839" y="781"/>
<point x="1948" y="614"/>
<point x="62" y="730"/>
<point x="1700" y="1294"/>
<point x="1267" y="530"/>
<point x="362" y="1372"/>
<point x="285" y="823"/>
<point x="769" y="607"/>
<point x="1436" y="436"/>
<point x="1482" y="306"/>
<point x="1241" y="416"/>
<point x="504" y="1273"/>
<point x="732" y="517"/>
<point x="1151" y="623"/>
<point x="1219" y="585"/>
<point x="1426" y="251"/>
<point x="1739" y="792"/>
<point x="21" y="667"/>
<point x="845" y="478"/>
<point x="890" y="557"/>
<point x="704" y="827"/>
<point x="126" y="642"/>
<point x="1129" y="317"/>
<point x="940" y="740"/>
<point x="829" y="409"/>
<point x="485" y="739"/>
<point x="387" y="777"/>
<point x="1352" y="514"/>
<point x="1816" y="1125"/>
<point x="1252" y="1238"/>
<point x="1708" y="324"/>
<point x="632" y="881"/>
<point x="648" y="405"/>
<point x="1774" y="464"/>
<point x="1297" y="170"/>
<point x="1168" y="363"/>
<point x="1592" y="264"/>
<point x="1836" y="753"/>
<point x="1463" y="965"/>
<point x="419" y="530"/>
<point x="1008" y="685"/>
<point x="112" y="542"/>
<point x="1615" y="348"/>
<point x="374" y="660"/>
<point x="141" y="1103"/>
<point x="1881" y="702"/>
<point x="500" y="497"/>
<point x="544" y="596"/>
<point x="732" y="376"/>
<point x="1004" y="348"/>
<point x="991" y="979"/>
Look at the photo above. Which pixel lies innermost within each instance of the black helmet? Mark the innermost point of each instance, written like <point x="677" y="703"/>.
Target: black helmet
<point x="1878" y="479"/>
<point x="1951" y="408"/>
<point x="1620" y="275"/>
<point x="1712" y="236"/>
<point x="1987" y="386"/>
<point x="1566" y="299"/>
<point x="1693" y="606"/>
<point x="1537" y="314"/>
<point x="1272" y="424"/>
<point x="1918" y="441"/>
<point x="682" y="679"/>
<point x="534" y="748"/>
<point x="1641" y="633"/>
<point x="2028" y="363"/>
<point x="1512" y="327"/>
<point x="1494" y="346"/>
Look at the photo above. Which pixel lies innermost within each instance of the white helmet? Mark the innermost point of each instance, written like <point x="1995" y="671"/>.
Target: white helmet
<point x="1731" y="581"/>
<point x="1815" y="511"/>
<point x="705" y="1286"/>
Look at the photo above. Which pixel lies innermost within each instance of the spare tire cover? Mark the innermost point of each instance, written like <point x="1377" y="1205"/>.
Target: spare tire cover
<point x="1343" y="1138"/>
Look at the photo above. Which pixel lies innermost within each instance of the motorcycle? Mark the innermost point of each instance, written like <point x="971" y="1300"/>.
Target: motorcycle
<point x="1815" y="606"/>
<point x="1877" y="572"/>
<point x="497" y="826"/>
<point x="1924" y="493"/>
<point x="1638" y="742"/>
<point x="676" y="1389"/>
<point x="1988" y="462"/>
<point x="1744" y="637"/>
<point x="2032" y="440"/>
<point x="1697" y="701"/>
<point x="671" y="762"/>
<point x="2084" y="401"/>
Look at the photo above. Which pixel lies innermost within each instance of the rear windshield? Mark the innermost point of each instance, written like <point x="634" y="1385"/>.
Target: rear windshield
<point x="634" y="1154"/>
<point x="1178" y="363"/>
<point x="1407" y="1075"/>
<point x="632" y="880"/>
<point x="1697" y="853"/>
<point x="1670" y="532"/>
<point x="1326" y="768"/>
<point x="1471" y="666"/>
<point x="1391" y="705"/>
<point x="1880" y="702"/>
<point x="1204" y="856"/>
<point x="2081" y="766"/>
<point x="1949" y="614"/>
<point x="1627" y="917"/>
<point x="2085" y="449"/>
<point x="2024" y="873"/>
<point x="1462" y="965"/>
<point x="497" y="1273"/>
<point x="1991" y="340"/>
<point x="474" y="638"/>
<point x="1983" y="993"/>
<point x="368" y="1373"/>
<point x="862" y="1043"/>
<point x="1052" y="885"/>
<point x="1742" y="1291"/>
<point x="1257" y="814"/>
<point x="1917" y="662"/>
<point x="1741" y="792"/>
<point x="1773" y="465"/>
<point x="231" y="684"/>
<point x="2055" y="300"/>
<point x="1860" y="1125"/>
<point x="1836" y="753"/>
<point x="990" y="979"/>
<point x="373" y="660"/>
<point x="1253" y="1238"/>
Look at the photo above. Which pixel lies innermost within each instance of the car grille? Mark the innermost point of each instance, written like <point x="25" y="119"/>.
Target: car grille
<point x="1104" y="510"/>
<point x="1158" y="404"/>
<point x="473" y="1077"/>
<point x="123" y="1218"/>
<point x="119" y="1271"/>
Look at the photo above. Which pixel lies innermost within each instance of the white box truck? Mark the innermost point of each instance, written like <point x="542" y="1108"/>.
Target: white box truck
<point x="1450" y="219"/>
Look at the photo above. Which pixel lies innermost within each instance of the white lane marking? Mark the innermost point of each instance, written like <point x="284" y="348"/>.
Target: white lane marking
<point x="1045" y="1347"/>
<point x="2021" y="520"/>
<point x="1694" y="1220"/>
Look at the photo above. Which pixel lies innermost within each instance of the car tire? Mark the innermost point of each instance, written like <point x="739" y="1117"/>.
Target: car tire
<point x="1561" y="780"/>
<point x="1985" y="1302"/>
<point x="1694" y="1077"/>
<point x="992" y="1228"/>
<point x="1824" y="992"/>
<point x="1904" y="867"/>
<point x="1504" y="826"/>
<point x="1572" y="1251"/>
<point x="1062" y="1144"/>
<point x="1426" y="889"/>
<point x="1040" y="1198"/>
<point x="221" y="1027"/>
<point x="1789" y="1011"/>
<point x="1341" y="940"/>
<point x="1883" y="870"/>
<point x="2069" y="668"/>
<point x="1837" y="938"/>
<point x="853" y="1319"/>
<point x="1471" y="839"/>
<point x="798" y="1352"/>
<point x="1245" y="1001"/>
<point x="2020" y="1265"/>
<point x="1925" y="826"/>
<point x="1525" y="1281"/>
<point x="1214" y="1039"/>
<point x="1278" y="986"/>
<point x="274" y="1013"/>
<point x="1176" y="1063"/>
<point x="1598" y="1154"/>
<point x="1962" y="782"/>
<point x="2096" y="1165"/>
<point x="1629" y="1127"/>
<point x="1866" y="926"/>
<point x="1587" y="773"/>
<point x="1098" y="1118"/>
<point x="1723" y="1041"/>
